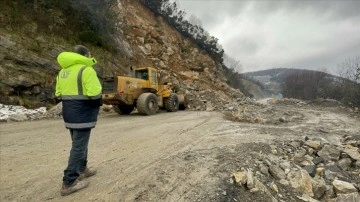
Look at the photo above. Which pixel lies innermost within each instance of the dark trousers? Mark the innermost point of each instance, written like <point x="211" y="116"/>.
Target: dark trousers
<point x="78" y="155"/>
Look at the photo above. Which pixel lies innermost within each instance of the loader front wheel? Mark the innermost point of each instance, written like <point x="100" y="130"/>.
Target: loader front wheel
<point x="171" y="103"/>
<point x="123" y="109"/>
<point x="147" y="104"/>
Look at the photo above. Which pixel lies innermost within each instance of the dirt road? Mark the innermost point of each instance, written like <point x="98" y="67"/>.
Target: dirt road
<point x="183" y="156"/>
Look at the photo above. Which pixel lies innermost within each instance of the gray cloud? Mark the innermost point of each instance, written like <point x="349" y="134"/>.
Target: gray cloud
<point x="245" y="44"/>
<point x="264" y="34"/>
<point x="339" y="8"/>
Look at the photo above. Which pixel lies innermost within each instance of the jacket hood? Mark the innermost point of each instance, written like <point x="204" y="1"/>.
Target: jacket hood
<point x="67" y="59"/>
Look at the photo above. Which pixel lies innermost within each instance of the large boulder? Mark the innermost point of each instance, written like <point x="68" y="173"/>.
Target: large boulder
<point x="342" y="187"/>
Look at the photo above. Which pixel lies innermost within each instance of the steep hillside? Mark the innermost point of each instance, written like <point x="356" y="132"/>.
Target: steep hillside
<point x="29" y="46"/>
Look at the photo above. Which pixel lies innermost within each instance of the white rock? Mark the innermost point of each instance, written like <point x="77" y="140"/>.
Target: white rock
<point x="342" y="187"/>
<point x="353" y="197"/>
<point x="306" y="198"/>
<point x="250" y="180"/>
<point x="313" y="144"/>
<point x="240" y="177"/>
<point x="18" y="117"/>
<point x="301" y="181"/>
<point x="352" y="152"/>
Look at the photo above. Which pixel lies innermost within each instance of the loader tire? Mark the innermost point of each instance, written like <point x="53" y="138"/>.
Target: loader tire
<point x="123" y="109"/>
<point x="147" y="104"/>
<point x="172" y="103"/>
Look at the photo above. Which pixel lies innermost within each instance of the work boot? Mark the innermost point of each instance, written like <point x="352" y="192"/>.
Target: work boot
<point x="88" y="172"/>
<point x="74" y="187"/>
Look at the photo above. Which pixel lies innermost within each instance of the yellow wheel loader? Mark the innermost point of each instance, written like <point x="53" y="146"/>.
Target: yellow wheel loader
<point x="142" y="91"/>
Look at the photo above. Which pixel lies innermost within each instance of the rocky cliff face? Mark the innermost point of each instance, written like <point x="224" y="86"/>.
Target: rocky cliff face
<point x="28" y="57"/>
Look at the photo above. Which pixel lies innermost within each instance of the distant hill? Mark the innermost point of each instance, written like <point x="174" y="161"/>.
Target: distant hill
<point x="279" y="75"/>
<point x="302" y="84"/>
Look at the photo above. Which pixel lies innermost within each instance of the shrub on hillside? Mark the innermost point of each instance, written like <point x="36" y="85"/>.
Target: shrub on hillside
<point x="90" y="21"/>
<point x="196" y="33"/>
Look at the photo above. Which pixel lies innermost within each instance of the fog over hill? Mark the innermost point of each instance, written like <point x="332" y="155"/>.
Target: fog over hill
<point x="280" y="74"/>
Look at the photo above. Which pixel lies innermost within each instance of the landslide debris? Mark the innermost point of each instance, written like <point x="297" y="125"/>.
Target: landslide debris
<point x="309" y="169"/>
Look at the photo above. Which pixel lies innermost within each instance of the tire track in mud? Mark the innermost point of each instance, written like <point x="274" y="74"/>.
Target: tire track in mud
<point x="186" y="138"/>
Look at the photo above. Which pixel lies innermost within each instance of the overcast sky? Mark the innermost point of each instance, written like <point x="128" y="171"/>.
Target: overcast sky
<point x="262" y="34"/>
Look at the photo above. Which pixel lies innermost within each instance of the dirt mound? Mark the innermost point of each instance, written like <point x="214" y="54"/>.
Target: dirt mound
<point x="326" y="103"/>
<point x="269" y="111"/>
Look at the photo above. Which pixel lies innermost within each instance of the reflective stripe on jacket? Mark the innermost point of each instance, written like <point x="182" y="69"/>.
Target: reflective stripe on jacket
<point x="78" y="86"/>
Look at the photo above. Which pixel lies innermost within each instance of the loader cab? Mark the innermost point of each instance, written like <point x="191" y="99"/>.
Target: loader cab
<point x="142" y="74"/>
<point x="148" y="74"/>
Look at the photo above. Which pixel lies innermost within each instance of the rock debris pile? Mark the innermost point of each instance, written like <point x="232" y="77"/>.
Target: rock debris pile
<point x="279" y="110"/>
<point x="267" y="112"/>
<point x="311" y="170"/>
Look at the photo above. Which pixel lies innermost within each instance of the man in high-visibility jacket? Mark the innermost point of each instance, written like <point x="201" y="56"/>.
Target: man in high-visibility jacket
<point x="79" y="89"/>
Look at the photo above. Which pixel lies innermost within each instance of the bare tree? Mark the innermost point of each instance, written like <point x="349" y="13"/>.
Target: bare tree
<point x="306" y="85"/>
<point x="350" y="87"/>
<point x="232" y="63"/>
<point x="195" y="20"/>
<point x="350" y="69"/>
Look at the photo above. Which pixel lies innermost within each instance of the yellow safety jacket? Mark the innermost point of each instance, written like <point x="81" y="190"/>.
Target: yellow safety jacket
<point x="79" y="88"/>
<point x="77" y="79"/>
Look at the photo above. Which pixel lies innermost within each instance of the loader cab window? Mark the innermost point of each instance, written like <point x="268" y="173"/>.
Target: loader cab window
<point x="142" y="74"/>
